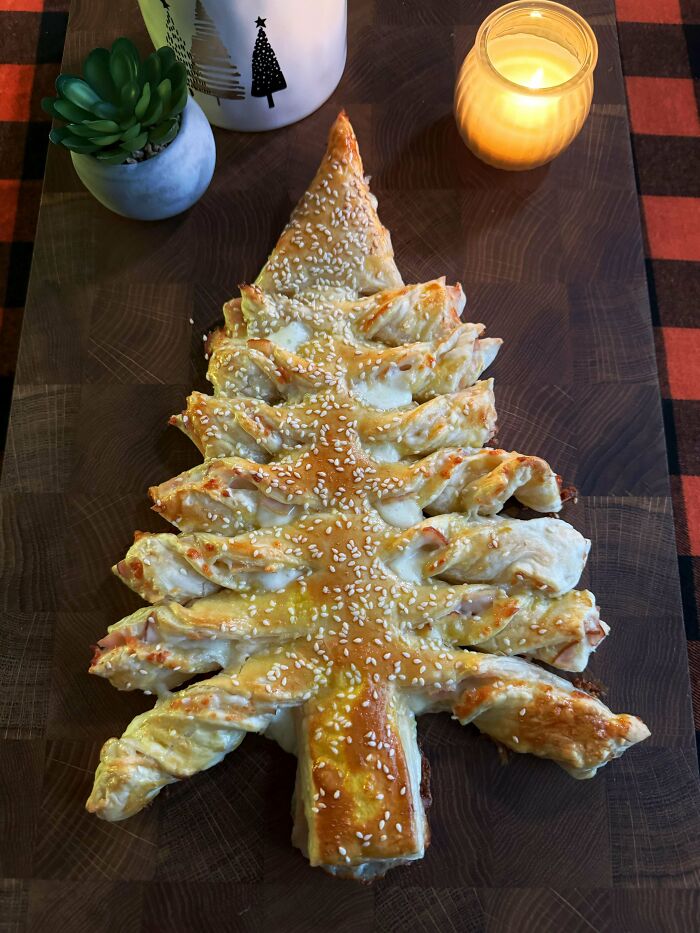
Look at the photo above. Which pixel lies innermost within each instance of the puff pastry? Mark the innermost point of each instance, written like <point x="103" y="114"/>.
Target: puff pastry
<point x="340" y="565"/>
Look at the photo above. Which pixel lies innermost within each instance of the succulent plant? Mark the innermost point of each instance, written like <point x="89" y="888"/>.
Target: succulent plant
<point x="120" y="104"/>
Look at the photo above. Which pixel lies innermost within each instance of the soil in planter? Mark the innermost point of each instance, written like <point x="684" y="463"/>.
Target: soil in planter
<point x="148" y="152"/>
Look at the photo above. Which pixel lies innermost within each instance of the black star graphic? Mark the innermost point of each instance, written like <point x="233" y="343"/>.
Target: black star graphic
<point x="260" y="21"/>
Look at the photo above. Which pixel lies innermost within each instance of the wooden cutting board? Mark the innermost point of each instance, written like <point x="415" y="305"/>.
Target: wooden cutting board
<point x="551" y="261"/>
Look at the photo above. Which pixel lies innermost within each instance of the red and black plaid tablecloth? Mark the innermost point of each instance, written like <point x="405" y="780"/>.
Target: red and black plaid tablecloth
<point x="660" y="42"/>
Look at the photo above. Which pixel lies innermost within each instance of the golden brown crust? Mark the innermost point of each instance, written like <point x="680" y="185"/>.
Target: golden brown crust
<point x="362" y="803"/>
<point x="334" y="239"/>
<point x="253" y="429"/>
<point x="422" y="312"/>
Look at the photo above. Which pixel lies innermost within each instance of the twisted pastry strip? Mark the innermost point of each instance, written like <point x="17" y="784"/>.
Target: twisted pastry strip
<point x="520" y="705"/>
<point x="248" y="427"/>
<point x="562" y="631"/>
<point x="531" y="711"/>
<point x="234" y="322"/>
<point x="157" y="649"/>
<point x="185" y="567"/>
<point x="261" y="369"/>
<point x="160" y="647"/>
<point x="428" y="311"/>
<point x="156" y="567"/>
<point x="480" y="483"/>
<point x="547" y="553"/>
<point x="231" y="494"/>
<point x="387" y="378"/>
<point x="192" y="730"/>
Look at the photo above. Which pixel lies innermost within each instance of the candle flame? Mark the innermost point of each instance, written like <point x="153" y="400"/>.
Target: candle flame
<point x="537" y="80"/>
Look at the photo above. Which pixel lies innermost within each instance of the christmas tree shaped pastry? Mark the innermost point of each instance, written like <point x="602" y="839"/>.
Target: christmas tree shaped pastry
<point x="341" y="562"/>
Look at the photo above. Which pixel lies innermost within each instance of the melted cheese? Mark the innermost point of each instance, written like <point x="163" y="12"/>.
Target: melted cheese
<point x="409" y="566"/>
<point x="391" y="393"/>
<point x="402" y="513"/>
<point x="282" y="730"/>
<point x="268" y="516"/>
<point x="277" y="579"/>
<point x="291" y="336"/>
<point x="384" y="453"/>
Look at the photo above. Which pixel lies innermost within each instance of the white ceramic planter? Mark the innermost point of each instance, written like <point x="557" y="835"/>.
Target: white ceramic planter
<point x="160" y="187"/>
<point x="254" y="66"/>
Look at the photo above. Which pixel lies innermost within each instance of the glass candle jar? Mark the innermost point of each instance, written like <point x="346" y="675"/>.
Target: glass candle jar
<point x="524" y="90"/>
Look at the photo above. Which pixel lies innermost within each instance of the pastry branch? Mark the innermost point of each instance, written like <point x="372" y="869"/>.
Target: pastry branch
<point x="193" y="729"/>
<point x="228" y="495"/>
<point x="546" y="553"/>
<point x="287" y="578"/>
<point x="387" y="377"/>
<point x="251" y="428"/>
<point x="423" y="312"/>
<point x="534" y="712"/>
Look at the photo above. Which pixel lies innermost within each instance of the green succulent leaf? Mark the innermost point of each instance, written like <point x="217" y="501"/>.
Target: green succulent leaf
<point x="103" y="126"/>
<point x="127" y="48"/>
<point x="167" y="58"/>
<point x="98" y="76"/>
<point x="152" y="69"/>
<point x="130" y="95"/>
<point x="70" y="112"/>
<point x="76" y="91"/>
<point x="76" y="144"/>
<point x="165" y="132"/>
<point x="164" y="90"/>
<point x="106" y="140"/>
<point x="107" y="111"/>
<point x="143" y="102"/>
<point x="123" y="61"/>
<point x="179" y="102"/>
<point x="154" y="111"/>
<point x="177" y="73"/>
<point x="62" y="78"/>
<point x="80" y="129"/>
<point x="131" y="133"/>
<point x="138" y="142"/>
<point x="47" y="105"/>
<point x="119" y="70"/>
<point x="111" y="157"/>
<point x="178" y="89"/>
<point x="58" y="133"/>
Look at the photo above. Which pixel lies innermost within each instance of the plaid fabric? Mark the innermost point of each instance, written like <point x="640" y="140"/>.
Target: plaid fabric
<point x="660" y="41"/>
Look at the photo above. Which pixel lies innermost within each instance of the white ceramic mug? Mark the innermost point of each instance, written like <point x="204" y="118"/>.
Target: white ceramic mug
<point x="254" y="65"/>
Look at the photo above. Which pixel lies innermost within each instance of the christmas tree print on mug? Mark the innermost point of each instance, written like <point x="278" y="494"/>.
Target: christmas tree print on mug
<point x="209" y="68"/>
<point x="267" y="74"/>
<point x="254" y="67"/>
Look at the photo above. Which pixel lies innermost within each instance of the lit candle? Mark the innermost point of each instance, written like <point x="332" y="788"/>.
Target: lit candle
<point x="524" y="91"/>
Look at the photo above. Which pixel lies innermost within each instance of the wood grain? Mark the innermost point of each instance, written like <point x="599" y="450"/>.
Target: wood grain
<point x="552" y="261"/>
